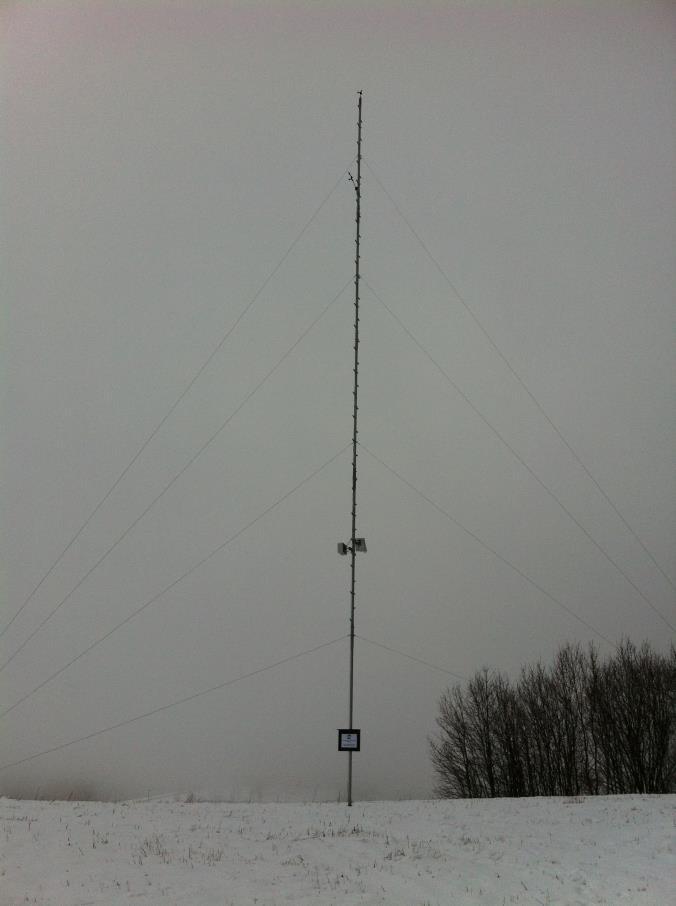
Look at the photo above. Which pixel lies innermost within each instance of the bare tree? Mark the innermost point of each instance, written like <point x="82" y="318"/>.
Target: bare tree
<point x="581" y="726"/>
<point x="452" y="754"/>
<point x="633" y="718"/>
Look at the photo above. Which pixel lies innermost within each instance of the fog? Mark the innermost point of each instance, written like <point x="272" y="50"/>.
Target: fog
<point x="161" y="166"/>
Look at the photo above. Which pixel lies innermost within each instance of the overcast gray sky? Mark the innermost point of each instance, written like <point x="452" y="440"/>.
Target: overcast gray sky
<point x="159" y="160"/>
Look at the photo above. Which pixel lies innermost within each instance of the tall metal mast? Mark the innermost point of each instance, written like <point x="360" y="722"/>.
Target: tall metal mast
<point x="357" y="186"/>
<point x="349" y="739"/>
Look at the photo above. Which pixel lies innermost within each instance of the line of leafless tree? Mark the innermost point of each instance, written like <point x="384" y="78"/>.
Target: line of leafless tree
<point x="582" y="726"/>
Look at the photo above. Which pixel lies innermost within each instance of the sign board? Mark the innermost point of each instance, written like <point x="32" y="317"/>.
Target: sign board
<point x="349" y="740"/>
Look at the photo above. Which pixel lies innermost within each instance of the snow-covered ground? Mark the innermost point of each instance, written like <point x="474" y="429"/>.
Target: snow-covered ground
<point x="525" y="851"/>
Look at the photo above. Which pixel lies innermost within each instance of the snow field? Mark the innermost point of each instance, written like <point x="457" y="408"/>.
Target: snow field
<point x="504" y="851"/>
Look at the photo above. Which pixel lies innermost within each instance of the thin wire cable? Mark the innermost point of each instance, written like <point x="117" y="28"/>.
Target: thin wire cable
<point x="173" y="584"/>
<point x="487" y="547"/>
<point x="179" y="399"/>
<point x="412" y="657"/>
<point x="518" y="377"/>
<point x="176" y="477"/>
<point x="173" y="704"/>
<point x="518" y="457"/>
